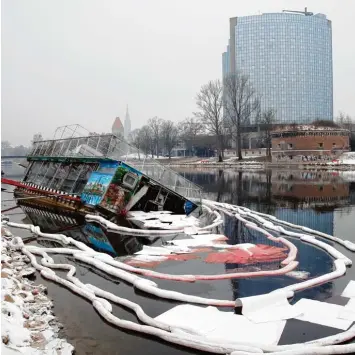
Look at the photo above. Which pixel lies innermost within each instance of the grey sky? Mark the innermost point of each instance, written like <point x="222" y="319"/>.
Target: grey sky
<point x="82" y="61"/>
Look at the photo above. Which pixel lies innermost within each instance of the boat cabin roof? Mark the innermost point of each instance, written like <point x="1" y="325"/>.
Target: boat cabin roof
<point x="99" y="147"/>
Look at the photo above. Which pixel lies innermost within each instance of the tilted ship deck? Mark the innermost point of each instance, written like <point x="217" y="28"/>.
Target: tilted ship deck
<point x="101" y="173"/>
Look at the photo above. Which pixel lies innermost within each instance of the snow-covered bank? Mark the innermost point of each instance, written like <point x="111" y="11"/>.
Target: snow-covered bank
<point x="28" y="325"/>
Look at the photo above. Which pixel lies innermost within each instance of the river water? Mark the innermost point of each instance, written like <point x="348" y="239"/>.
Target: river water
<point x="324" y="201"/>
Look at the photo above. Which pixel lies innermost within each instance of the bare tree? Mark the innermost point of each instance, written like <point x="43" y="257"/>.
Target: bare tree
<point x="6" y="148"/>
<point x="5" y="145"/>
<point x="345" y="121"/>
<point x="241" y="104"/>
<point x="135" y="138"/>
<point x="20" y="150"/>
<point x="146" y="140"/>
<point x="230" y="131"/>
<point x="190" y="128"/>
<point x="340" y="119"/>
<point x="155" y="124"/>
<point x="209" y="102"/>
<point x="37" y="137"/>
<point x="170" y="136"/>
<point x="266" y="121"/>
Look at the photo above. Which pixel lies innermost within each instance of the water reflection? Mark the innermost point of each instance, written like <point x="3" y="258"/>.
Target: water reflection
<point x="307" y="198"/>
<point x="275" y="188"/>
<point x="310" y="199"/>
<point x="75" y="226"/>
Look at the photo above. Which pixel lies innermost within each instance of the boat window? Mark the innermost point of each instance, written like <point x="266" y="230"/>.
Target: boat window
<point x="130" y="180"/>
<point x="59" y="175"/>
<point x="32" y="174"/>
<point x="49" y="174"/>
<point x="77" y="177"/>
<point x="64" y="147"/>
<point x="28" y="171"/>
<point x="73" y="174"/>
<point x="40" y="179"/>
<point x="57" y="148"/>
<point x="82" y="179"/>
<point x="49" y="150"/>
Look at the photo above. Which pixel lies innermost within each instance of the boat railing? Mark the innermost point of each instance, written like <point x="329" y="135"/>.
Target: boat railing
<point x="90" y="146"/>
<point x="113" y="147"/>
<point x="160" y="173"/>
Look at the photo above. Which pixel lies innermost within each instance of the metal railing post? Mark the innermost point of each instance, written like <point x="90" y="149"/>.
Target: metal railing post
<point x="80" y="171"/>
<point x="55" y="174"/>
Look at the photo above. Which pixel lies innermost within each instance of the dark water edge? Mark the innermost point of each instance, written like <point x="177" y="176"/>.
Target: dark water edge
<point x="323" y="201"/>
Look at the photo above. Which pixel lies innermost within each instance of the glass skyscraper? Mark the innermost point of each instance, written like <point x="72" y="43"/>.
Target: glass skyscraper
<point x="288" y="57"/>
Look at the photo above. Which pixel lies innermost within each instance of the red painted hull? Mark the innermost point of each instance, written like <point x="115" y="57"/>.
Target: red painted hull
<point x="38" y="190"/>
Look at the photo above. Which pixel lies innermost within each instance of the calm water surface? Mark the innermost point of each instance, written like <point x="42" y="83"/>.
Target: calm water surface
<point x="320" y="200"/>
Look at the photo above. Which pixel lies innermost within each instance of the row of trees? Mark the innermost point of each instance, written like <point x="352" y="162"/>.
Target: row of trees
<point x="7" y="149"/>
<point x="159" y="137"/>
<point x="225" y="107"/>
<point x="222" y="109"/>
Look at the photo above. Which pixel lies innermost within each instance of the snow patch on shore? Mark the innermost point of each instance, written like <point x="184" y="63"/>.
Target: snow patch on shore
<point x="28" y="325"/>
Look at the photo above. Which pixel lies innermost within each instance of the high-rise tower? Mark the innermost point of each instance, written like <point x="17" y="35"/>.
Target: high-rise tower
<point x="288" y="59"/>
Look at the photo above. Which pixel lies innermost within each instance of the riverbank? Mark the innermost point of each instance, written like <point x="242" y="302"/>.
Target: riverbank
<point x="28" y="325"/>
<point x="258" y="165"/>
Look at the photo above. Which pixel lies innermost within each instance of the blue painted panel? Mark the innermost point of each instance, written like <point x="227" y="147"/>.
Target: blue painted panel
<point x="98" y="183"/>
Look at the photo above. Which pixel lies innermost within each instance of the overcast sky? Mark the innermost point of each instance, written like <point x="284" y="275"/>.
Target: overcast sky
<point x="82" y="61"/>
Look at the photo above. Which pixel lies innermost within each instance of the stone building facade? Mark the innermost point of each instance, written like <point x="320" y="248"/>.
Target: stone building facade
<point x="309" y="143"/>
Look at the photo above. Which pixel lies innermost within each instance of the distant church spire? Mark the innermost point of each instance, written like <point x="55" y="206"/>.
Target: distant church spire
<point x="127" y="124"/>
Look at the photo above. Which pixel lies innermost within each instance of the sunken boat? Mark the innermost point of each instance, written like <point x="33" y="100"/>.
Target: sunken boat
<point x="101" y="174"/>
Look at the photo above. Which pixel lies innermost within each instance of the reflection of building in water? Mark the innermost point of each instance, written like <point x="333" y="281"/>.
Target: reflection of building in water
<point x="321" y="221"/>
<point x="311" y="259"/>
<point x="231" y="186"/>
<point x="309" y="189"/>
<point x="344" y="222"/>
<point x="238" y="233"/>
<point x="300" y="197"/>
<point x="313" y="197"/>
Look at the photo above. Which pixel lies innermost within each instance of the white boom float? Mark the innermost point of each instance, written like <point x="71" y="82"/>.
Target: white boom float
<point x="164" y="327"/>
